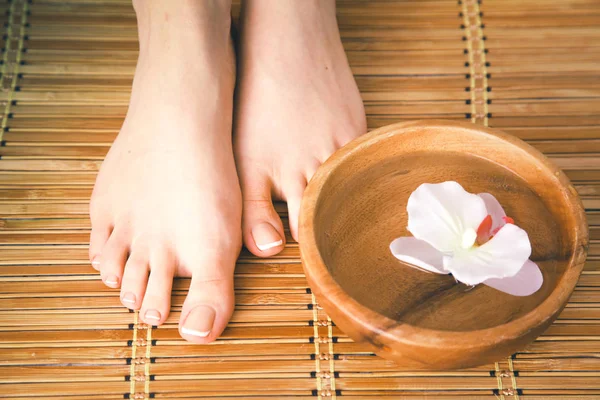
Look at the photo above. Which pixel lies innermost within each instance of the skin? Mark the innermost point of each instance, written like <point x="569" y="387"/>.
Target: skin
<point x="167" y="200"/>
<point x="297" y="102"/>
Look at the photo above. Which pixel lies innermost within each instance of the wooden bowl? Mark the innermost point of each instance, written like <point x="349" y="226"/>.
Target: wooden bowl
<point x="355" y="205"/>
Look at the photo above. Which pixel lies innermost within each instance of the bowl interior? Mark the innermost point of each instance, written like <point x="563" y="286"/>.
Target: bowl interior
<point x="362" y="208"/>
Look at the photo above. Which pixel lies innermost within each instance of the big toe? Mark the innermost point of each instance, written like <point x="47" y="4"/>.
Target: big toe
<point x="208" y="305"/>
<point x="262" y="228"/>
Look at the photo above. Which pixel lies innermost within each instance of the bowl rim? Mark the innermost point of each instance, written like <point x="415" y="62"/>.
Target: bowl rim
<point x="392" y="331"/>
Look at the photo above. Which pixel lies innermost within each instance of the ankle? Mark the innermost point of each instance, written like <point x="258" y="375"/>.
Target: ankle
<point x="297" y="31"/>
<point x="184" y="25"/>
<point x="293" y="10"/>
<point x="285" y="23"/>
<point x="292" y="15"/>
<point x="157" y="10"/>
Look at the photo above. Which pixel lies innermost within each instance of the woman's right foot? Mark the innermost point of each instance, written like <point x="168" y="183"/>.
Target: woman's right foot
<point x="167" y="200"/>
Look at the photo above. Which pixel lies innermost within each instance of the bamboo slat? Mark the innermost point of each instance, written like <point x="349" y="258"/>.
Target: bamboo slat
<point x="527" y="67"/>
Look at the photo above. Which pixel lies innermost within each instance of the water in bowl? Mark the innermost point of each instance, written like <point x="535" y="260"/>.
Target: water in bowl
<point x="367" y="212"/>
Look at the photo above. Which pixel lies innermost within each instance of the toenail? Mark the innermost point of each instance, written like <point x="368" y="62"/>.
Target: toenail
<point x="95" y="262"/>
<point x="199" y="321"/>
<point x="266" y="236"/>
<point x="111" y="280"/>
<point x="128" y="298"/>
<point x="152" y="314"/>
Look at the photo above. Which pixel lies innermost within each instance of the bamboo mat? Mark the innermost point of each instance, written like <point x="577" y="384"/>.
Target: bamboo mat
<point x="530" y="68"/>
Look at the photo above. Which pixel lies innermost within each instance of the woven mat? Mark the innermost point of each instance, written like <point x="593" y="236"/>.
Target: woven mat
<point x="530" y="68"/>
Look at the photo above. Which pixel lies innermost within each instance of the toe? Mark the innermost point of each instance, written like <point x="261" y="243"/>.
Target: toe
<point x="157" y="298"/>
<point x="135" y="279"/>
<point x="112" y="260"/>
<point x="311" y="169"/>
<point x="293" y="197"/>
<point x="98" y="238"/>
<point x="208" y="305"/>
<point x="261" y="226"/>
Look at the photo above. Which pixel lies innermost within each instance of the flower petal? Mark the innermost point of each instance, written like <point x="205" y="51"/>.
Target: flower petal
<point x="503" y="256"/>
<point x="526" y="282"/>
<point x="418" y="253"/>
<point x="440" y="213"/>
<point x="495" y="210"/>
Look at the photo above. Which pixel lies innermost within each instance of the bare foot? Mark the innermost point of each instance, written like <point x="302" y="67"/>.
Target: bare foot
<point x="167" y="200"/>
<point x="297" y="102"/>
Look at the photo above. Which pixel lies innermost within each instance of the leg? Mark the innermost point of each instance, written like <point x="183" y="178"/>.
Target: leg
<point x="167" y="200"/>
<point x="297" y="102"/>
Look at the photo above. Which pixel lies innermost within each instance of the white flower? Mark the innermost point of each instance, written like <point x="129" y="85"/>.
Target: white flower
<point x="469" y="236"/>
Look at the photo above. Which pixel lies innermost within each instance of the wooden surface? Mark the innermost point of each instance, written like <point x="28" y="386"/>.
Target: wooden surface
<point x="355" y="206"/>
<point x="63" y="333"/>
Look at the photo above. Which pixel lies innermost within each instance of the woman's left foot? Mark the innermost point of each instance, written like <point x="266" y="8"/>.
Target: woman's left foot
<point x="296" y="103"/>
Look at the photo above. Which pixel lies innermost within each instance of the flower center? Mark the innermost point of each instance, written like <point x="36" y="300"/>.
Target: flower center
<point x="468" y="238"/>
<point x="483" y="232"/>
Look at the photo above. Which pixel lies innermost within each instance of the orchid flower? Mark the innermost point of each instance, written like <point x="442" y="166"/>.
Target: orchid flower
<point x="469" y="236"/>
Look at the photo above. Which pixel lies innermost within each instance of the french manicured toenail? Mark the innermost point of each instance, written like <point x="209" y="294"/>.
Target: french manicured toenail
<point x="266" y="236"/>
<point x="199" y="321"/>
<point x="128" y="298"/>
<point x="96" y="262"/>
<point x="152" y="315"/>
<point x="111" y="280"/>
